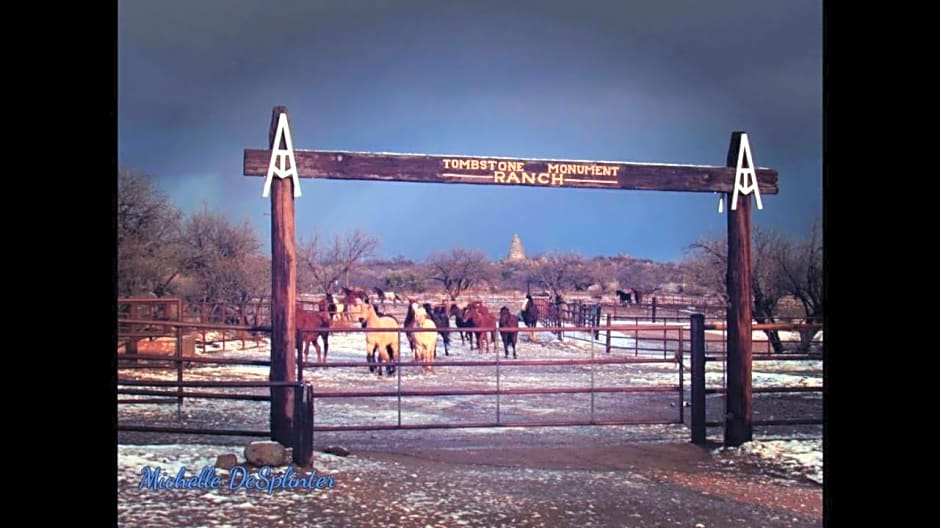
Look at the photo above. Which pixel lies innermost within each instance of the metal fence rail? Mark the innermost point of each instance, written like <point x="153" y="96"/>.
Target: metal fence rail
<point x="676" y="339"/>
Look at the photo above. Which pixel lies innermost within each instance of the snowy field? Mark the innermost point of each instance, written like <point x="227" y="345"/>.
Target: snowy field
<point x="792" y="452"/>
<point x="349" y="346"/>
<point x="513" y="409"/>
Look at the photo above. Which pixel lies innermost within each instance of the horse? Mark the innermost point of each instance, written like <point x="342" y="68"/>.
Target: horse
<point x="530" y="315"/>
<point x="479" y="317"/>
<point x="461" y="322"/>
<point x="508" y="320"/>
<point x="410" y="323"/>
<point x="631" y="295"/>
<point x="335" y="310"/>
<point x="426" y="342"/>
<point x="387" y="344"/>
<point x="387" y="296"/>
<point x="441" y="320"/>
<point x="351" y="297"/>
<point x="310" y="326"/>
<point x="478" y="304"/>
<point x="351" y="293"/>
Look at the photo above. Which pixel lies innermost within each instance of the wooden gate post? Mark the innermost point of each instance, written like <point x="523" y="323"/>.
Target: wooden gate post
<point x="738" y="416"/>
<point x="302" y="443"/>
<point x="283" y="297"/>
<point x="607" y="344"/>
<point x="698" y="378"/>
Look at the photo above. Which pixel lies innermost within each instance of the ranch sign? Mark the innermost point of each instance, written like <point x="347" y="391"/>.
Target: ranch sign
<point x="283" y="161"/>
<point x="339" y="165"/>
<point x="737" y="176"/>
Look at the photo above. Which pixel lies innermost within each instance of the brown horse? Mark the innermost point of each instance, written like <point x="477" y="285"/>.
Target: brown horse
<point x="508" y="320"/>
<point x="387" y="296"/>
<point x="336" y="311"/>
<point x="351" y="294"/>
<point x="310" y="326"/>
<point x="479" y="317"/>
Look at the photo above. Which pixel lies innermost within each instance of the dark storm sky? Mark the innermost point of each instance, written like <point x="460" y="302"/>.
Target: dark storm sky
<point x="665" y="81"/>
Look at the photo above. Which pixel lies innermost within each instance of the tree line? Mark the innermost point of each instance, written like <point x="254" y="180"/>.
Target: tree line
<point x="206" y="257"/>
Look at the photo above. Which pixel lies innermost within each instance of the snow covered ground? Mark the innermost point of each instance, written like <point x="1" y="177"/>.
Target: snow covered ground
<point x="795" y="452"/>
<point x="798" y="457"/>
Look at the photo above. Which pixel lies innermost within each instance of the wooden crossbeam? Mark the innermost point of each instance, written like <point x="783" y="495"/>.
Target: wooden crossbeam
<point x="338" y="165"/>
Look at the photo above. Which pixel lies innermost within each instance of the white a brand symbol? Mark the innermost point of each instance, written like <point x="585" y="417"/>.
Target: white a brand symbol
<point x="280" y="158"/>
<point x="745" y="179"/>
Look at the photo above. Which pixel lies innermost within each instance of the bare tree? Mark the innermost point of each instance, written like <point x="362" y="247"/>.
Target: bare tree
<point x="458" y="269"/>
<point x="404" y="281"/>
<point x="148" y="237"/>
<point x="559" y="272"/>
<point x="706" y="265"/>
<point x="326" y="262"/>
<point x="710" y="263"/>
<point x="644" y="275"/>
<point x="801" y="269"/>
<point x="222" y="258"/>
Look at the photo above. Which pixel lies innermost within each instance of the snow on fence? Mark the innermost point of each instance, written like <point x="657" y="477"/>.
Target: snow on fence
<point x="643" y="338"/>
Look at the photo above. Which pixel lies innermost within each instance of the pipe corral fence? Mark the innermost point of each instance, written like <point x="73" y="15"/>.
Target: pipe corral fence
<point x="615" y="339"/>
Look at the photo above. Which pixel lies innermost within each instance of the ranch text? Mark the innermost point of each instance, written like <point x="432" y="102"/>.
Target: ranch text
<point x="516" y="172"/>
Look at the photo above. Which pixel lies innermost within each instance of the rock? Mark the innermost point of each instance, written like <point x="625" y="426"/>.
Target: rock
<point x="266" y="453"/>
<point x="337" y="450"/>
<point x="516" y="251"/>
<point x="226" y="461"/>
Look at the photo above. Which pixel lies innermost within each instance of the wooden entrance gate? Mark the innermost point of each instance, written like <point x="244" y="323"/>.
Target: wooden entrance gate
<point x="281" y="160"/>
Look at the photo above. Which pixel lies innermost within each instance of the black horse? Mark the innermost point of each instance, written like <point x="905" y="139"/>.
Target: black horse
<point x="441" y="320"/>
<point x="631" y="295"/>
<point x="462" y="322"/>
<point x="411" y="323"/>
<point x="530" y="313"/>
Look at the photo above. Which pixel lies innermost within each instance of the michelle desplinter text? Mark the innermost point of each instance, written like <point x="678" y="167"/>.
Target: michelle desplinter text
<point x="239" y="478"/>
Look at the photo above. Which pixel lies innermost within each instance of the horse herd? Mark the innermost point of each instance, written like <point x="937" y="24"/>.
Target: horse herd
<point x="423" y="323"/>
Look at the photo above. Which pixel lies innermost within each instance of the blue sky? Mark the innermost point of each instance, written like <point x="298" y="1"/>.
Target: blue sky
<point x="664" y="81"/>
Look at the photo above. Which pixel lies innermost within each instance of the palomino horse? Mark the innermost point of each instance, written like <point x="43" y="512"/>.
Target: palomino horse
<point x="425" y="342"/>
<point x="530" y="315"/>
<point x="387" y="344"/>
<point x="508" y="320"/>
<point x="310" y="326"/>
